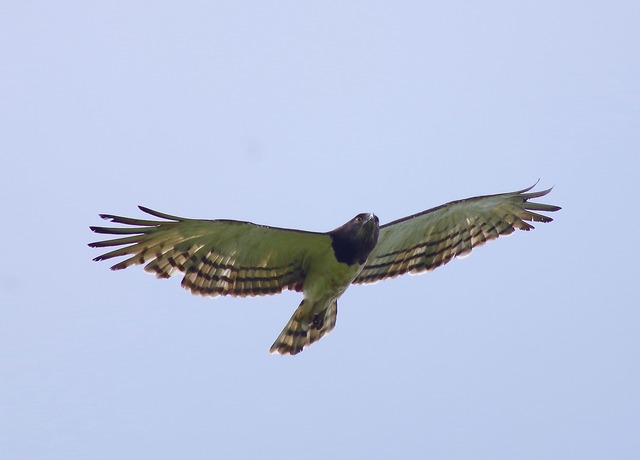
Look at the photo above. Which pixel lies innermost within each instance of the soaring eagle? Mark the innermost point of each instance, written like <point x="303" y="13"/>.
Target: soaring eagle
<point x="228" y="257"/>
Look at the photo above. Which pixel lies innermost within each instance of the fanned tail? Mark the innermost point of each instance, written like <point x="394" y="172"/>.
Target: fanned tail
<point x="302" y="330"/>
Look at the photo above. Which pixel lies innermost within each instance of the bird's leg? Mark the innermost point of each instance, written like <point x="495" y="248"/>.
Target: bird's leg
<point x="318" y="321"/>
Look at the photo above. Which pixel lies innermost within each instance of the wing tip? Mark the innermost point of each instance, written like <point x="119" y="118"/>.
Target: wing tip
<point x="160" y="215"/>
<point x="96" y="229"/>
<point x="524" y="190"/>
<point x="528" y="195"/>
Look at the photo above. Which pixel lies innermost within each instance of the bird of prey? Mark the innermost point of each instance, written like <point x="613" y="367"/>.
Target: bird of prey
<point x="228" y="257"/>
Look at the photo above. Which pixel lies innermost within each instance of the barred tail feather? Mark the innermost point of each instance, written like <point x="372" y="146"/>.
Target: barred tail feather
<point x="300" y="331"/>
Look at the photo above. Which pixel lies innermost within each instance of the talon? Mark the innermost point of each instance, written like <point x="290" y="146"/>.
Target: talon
<point x="317" y="322"/>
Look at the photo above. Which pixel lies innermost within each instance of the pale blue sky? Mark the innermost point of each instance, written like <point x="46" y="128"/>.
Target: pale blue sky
<point x="302" y="114"/>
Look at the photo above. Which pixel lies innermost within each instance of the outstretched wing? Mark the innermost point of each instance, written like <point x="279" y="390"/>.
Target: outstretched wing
<point x="432" y="238"/>
<point x="217" y="257"/>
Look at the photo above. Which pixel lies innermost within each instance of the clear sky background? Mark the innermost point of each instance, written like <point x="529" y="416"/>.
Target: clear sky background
<point x="302" y="114"/>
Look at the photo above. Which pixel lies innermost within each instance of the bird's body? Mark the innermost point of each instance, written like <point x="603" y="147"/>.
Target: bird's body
<point x="326" y="280"/>
<point x="224" y="257"/>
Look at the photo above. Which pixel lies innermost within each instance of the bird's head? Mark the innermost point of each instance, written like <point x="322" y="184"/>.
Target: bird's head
<point x="366" y="225"/>
<point x="353" y="241"/>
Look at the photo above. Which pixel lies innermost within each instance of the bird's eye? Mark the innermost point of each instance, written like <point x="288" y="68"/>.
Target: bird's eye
<point x="358" y="219"/>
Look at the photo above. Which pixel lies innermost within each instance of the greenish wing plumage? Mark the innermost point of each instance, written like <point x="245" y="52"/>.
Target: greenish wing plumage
<point x="217" y="257"/>
<point x="426" y="240"/>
